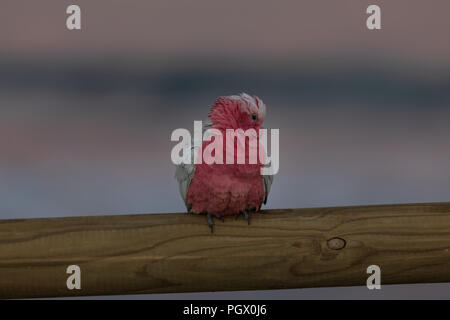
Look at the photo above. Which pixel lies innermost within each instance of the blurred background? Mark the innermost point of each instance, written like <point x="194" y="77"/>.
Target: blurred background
<point x="86" y="116"/>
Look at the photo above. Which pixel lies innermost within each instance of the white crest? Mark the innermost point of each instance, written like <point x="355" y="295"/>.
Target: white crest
<point x="251" y="105"/>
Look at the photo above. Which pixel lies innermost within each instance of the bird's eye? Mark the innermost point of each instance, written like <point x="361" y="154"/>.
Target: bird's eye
<point x="254" y="117"/>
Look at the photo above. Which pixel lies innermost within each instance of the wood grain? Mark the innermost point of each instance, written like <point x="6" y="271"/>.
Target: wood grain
<point x="161" y="253"/>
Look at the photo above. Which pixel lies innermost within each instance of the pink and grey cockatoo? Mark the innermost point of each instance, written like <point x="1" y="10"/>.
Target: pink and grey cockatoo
<point x="219" y="190"/>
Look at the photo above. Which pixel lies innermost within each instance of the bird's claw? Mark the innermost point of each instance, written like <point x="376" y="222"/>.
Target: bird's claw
<point x="245" y="214"/>
<point x="210" y="217"/>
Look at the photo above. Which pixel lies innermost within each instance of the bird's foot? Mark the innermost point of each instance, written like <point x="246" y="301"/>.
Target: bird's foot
<point x="210" y="218"/>
<point x="245" y="213"/>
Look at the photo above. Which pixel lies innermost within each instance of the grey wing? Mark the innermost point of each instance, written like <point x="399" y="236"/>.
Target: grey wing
<point x="267" y="183"/>
<point x="184" y="173"/>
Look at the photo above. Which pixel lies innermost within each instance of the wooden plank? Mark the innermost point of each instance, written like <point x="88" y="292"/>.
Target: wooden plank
<point x="162" y="253"/>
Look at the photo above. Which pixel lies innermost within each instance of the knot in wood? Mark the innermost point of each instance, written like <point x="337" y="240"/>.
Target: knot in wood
<point x="336" y="243"/>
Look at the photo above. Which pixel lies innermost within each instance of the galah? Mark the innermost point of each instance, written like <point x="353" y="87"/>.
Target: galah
<point x="218" y="190"/>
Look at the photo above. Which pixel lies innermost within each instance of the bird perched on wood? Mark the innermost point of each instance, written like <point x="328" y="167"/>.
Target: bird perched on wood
<point x="219" y="190"/>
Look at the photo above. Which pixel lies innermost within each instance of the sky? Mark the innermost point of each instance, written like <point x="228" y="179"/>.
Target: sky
<point x="411" y="29"/>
